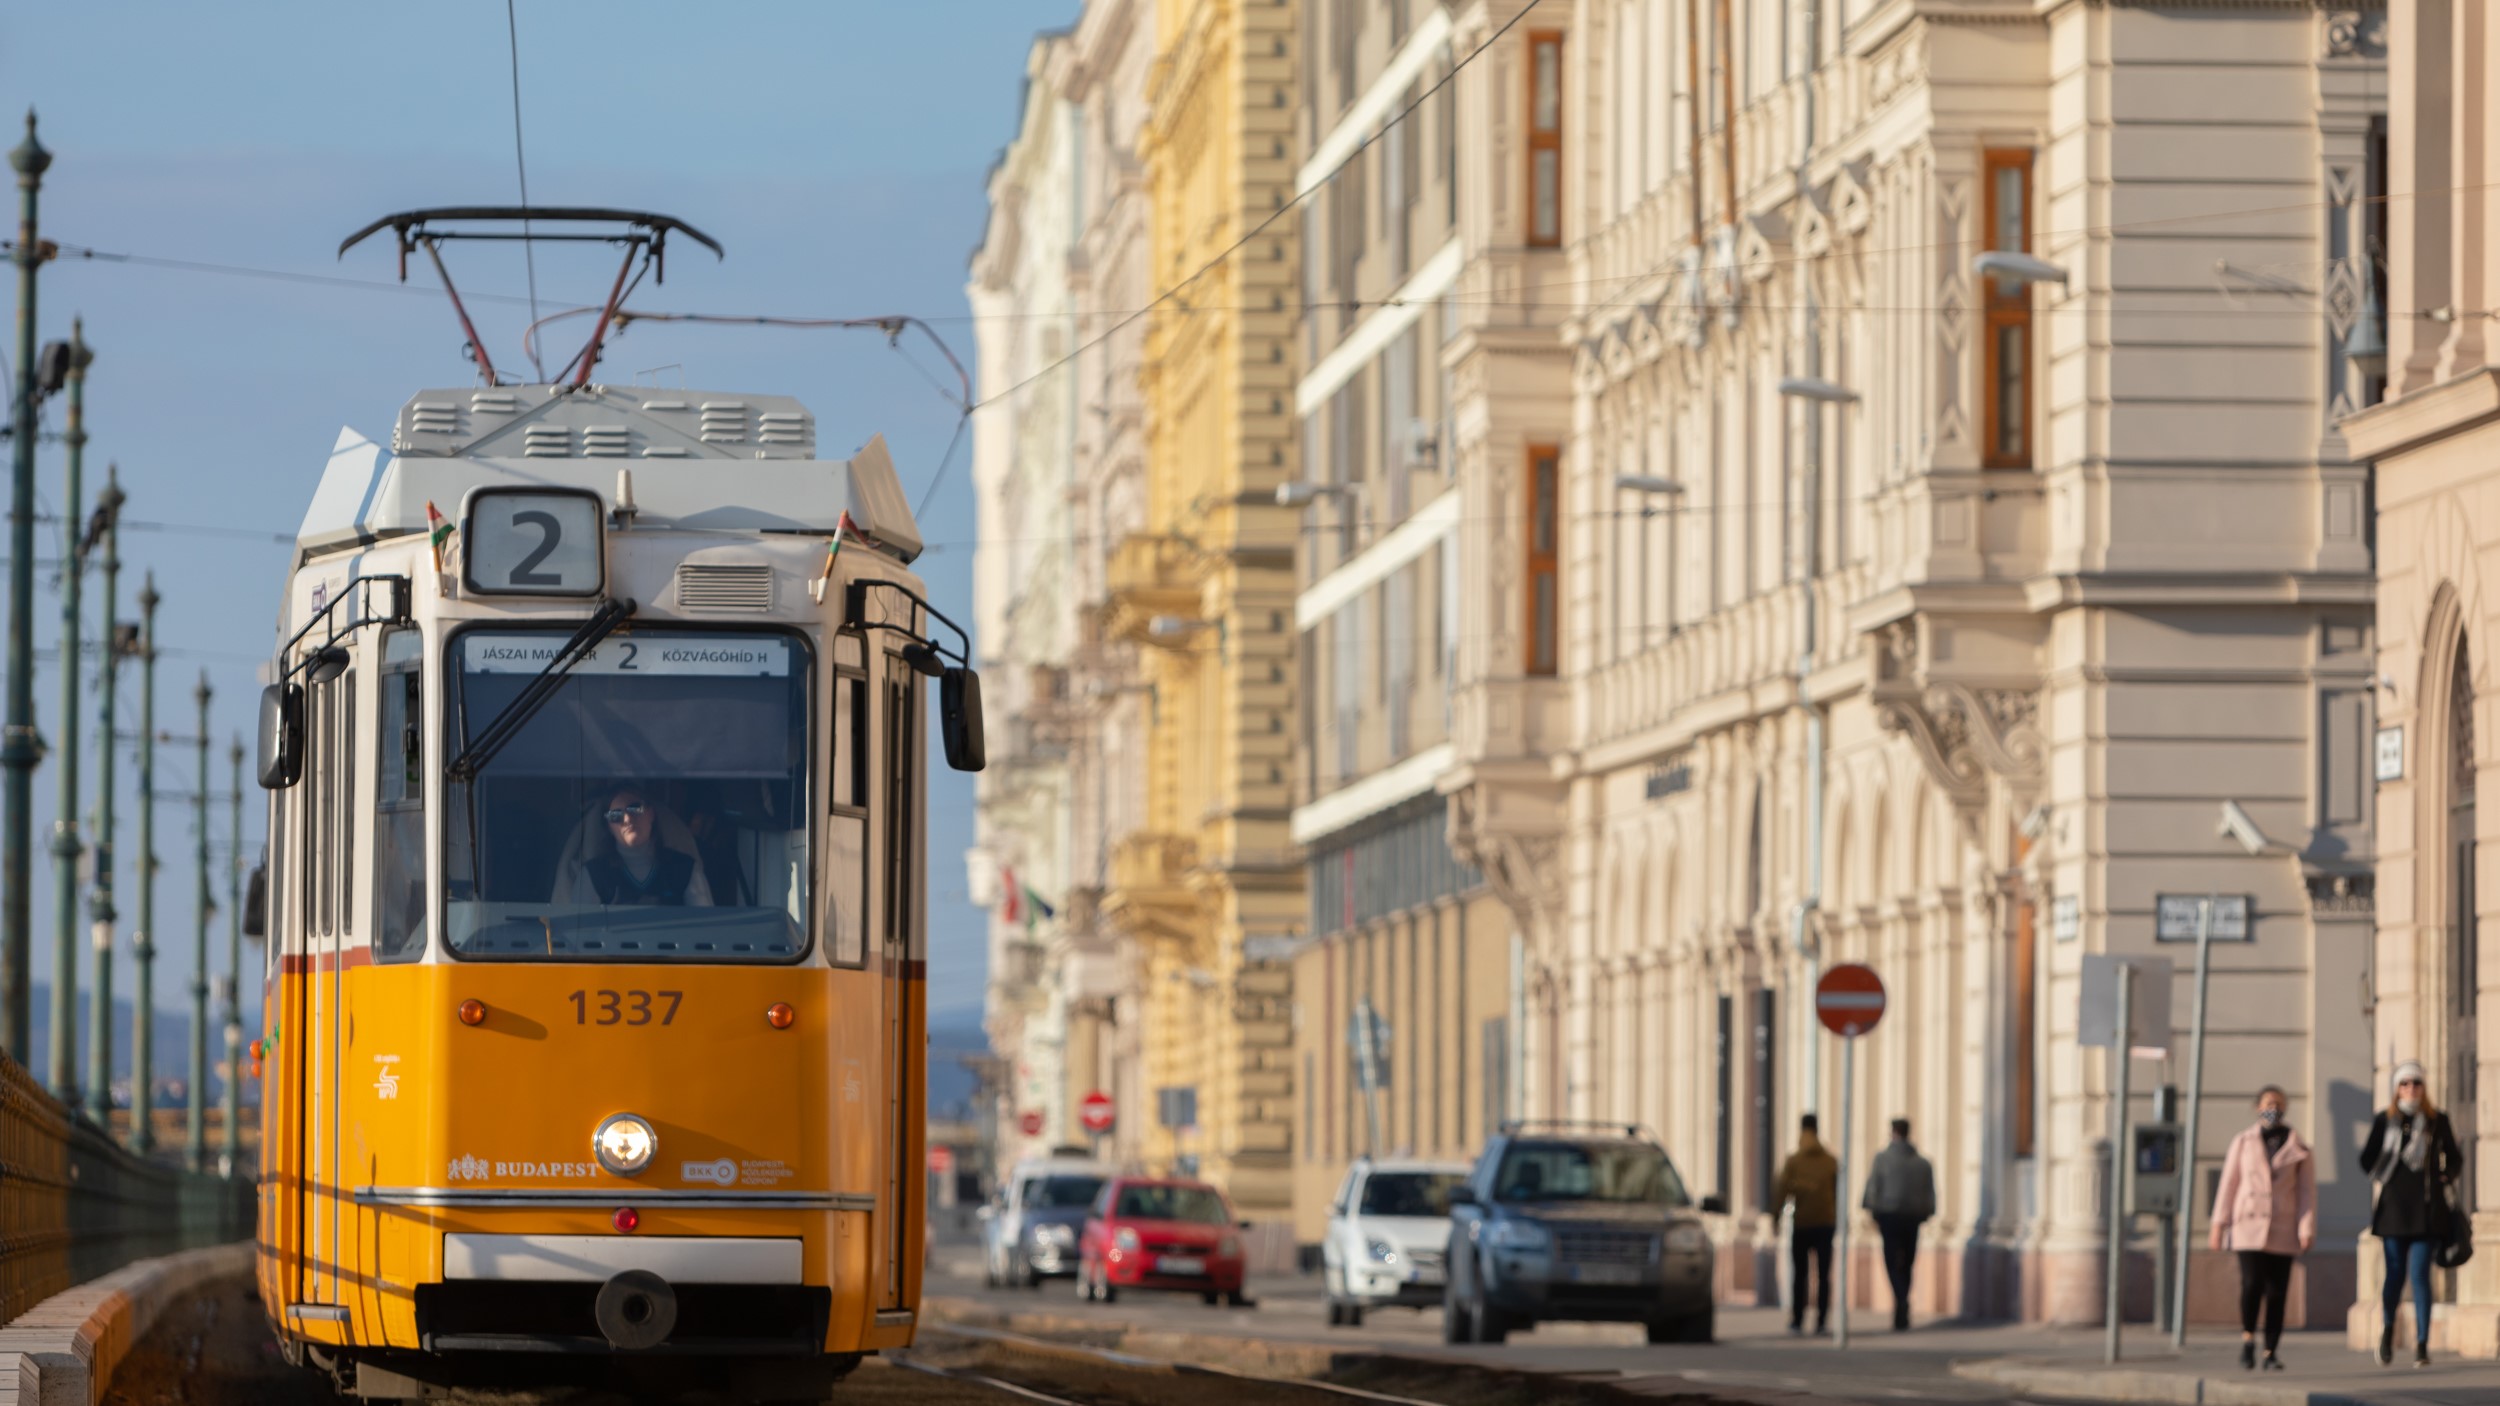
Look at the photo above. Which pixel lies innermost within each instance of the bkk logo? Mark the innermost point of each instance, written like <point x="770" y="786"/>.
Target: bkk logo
<point x="721" y="1173"/>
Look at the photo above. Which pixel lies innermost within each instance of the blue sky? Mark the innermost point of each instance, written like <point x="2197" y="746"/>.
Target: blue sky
<point x="837" y="149"/>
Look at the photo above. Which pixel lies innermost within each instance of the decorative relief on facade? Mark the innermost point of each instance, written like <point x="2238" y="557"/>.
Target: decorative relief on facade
<point x="2349" y="33"/>
<point x="1952" y="312"/>
<point x="1963" y="735"/>
<point x="1525" y="871"/>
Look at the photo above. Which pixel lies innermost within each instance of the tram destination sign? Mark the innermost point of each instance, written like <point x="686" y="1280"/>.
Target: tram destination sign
<point x="658" y="653"/>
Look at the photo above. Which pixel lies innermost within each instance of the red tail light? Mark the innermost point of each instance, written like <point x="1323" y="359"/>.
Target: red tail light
<point x="626" y="1219"/>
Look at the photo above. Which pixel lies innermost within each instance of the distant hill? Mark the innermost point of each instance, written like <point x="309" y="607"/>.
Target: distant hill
<point x="171" y="1056"/>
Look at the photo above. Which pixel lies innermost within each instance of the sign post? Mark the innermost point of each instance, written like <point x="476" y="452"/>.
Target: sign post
<point x="1849" y="1000"/>
<point x="2123" y="1056"/>
<point x="2195" y="1105"/>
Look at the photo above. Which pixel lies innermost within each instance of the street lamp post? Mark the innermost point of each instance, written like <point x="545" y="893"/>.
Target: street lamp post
<point x="195" y="1144"/>
<point x="143" y="938"/>
<point x="17" y="744"/>
<point x="100" y="912"/>
<point x="234" y="973"/>
<point x="63" y="1043"/>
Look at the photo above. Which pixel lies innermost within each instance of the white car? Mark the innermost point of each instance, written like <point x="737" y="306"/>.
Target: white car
<point x="1028" y="1233"/>
<point x="1388" y="1233"/>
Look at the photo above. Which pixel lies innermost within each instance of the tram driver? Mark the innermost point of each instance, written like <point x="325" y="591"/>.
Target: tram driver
<point x="632" y="852"/>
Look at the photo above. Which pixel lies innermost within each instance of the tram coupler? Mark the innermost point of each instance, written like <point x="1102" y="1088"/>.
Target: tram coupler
<point x="636" y="1309"/>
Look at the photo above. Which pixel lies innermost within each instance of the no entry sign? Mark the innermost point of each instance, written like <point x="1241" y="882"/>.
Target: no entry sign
<point x="1031" y="1122"/>
<point x="1849" y="1000"/>
<point x="1095" y="1113"/>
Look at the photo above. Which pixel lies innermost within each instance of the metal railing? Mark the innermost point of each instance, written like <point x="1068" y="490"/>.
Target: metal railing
<point x="75" y="1204"/>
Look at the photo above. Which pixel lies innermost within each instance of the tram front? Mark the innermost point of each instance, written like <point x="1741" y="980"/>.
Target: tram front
<point x="596" y="1006"/>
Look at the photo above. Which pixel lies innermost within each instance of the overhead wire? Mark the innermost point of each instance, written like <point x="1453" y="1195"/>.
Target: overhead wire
<point x="529" y="247"/>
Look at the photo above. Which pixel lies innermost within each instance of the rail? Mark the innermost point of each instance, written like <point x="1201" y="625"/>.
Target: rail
<point x="76" y="1205"/>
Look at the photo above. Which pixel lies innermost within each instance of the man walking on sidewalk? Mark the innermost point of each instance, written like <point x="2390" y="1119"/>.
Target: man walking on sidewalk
<point x="1901" y="1195"/>
<point x="1810" y="1181"/>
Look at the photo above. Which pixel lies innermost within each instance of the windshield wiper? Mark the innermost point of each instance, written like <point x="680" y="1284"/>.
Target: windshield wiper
<point x="525" y="705"/>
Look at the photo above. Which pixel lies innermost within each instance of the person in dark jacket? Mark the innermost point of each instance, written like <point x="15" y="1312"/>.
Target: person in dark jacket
<point x="2412" y="1157"/>
<point x="1901" y="1195"/>
<point x="1810" y="1180"/>
<point x="2266" y="1210"/>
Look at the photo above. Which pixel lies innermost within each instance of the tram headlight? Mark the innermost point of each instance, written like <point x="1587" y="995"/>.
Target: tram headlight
<point x="625" y="1144"/>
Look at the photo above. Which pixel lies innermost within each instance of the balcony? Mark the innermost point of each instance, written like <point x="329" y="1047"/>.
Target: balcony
<point x="1149" y="893"/>
<point x="1149" y="575"/>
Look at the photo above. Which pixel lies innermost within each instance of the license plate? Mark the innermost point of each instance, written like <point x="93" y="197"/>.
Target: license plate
<point x="1180" y="1264"/>
<point x="1606" y="1273"/>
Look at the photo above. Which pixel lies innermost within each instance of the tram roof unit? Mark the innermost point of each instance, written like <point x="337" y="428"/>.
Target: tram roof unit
<point x="449" y="442"/>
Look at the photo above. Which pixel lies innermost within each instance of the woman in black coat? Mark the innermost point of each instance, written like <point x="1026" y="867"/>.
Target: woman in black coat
<point x="2412" y="1158"/>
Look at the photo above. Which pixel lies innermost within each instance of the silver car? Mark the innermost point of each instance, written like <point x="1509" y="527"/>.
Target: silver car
<point x="1029" y="1232"/>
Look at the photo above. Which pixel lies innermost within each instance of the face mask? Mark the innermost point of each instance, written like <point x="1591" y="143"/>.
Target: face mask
<point x="2271" y="1117"/>
<point x="2408" y="1106"/>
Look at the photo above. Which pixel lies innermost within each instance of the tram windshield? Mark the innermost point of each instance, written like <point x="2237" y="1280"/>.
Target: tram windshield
<point x="653" y="809"/>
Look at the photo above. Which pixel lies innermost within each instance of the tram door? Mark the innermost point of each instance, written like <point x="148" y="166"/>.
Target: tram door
<point x="899" y="853"/>
<point x="315" y="1030"/>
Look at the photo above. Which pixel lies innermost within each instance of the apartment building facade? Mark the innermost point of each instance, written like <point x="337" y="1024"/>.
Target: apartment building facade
<point x="2435" y="444"/>
<point x="1060" y="468"/>
<point x="1404" y="396"/>
<point x="1906" y="614"/>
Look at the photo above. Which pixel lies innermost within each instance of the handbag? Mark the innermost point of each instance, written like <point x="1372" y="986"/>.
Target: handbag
<point x="2459" y="1245"/>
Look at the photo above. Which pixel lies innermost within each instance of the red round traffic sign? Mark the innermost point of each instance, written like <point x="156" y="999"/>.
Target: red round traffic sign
<point x="1849" y="1000"/>
<point x="941" y="1159"/>
<point x="1095" y="1112"/>
<point x="1031" y="1122"/>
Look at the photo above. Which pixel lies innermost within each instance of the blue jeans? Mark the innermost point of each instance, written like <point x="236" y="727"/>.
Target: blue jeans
<point x="2408" y="1257"/>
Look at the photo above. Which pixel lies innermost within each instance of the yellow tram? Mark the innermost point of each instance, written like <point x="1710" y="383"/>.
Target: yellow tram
<point x="593" y="1033"/>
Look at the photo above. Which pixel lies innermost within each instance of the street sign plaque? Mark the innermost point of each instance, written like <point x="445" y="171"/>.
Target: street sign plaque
<point x="1849" y="1000"/>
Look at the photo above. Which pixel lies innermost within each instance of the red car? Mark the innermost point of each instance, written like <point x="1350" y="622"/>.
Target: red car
<point x="1160" y="1233"/>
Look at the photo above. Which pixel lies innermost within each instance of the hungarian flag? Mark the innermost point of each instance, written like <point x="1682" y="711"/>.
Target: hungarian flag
<point x="1037" y="909"/>
<point x="437" y="531"/>
<point x="833" y="553"/>
<point x="1014" y="908"/>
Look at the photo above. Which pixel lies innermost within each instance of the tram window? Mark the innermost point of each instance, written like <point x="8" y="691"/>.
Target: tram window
<point x="846" y="824"/>
<point x="654" y="808"/>
<point x="399" y="804"/>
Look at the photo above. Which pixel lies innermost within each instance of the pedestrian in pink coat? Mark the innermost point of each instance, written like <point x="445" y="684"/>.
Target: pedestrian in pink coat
<point x="2267" y="1211"/>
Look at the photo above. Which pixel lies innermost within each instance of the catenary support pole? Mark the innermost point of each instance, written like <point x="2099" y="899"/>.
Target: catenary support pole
<point x="61" y="1044"/>
<point x="100" y="912"/>
<point x="17" y="742"/>
<point x="143" y="937"/>
<point x="195" y="1140"/>
<point x="230" y="1163"/>
<point x="2122" y="1057"/>
<point x="2195" y="1107"/>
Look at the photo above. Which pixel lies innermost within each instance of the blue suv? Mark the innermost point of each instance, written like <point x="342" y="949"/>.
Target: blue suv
<point x="1576" y="1222"/>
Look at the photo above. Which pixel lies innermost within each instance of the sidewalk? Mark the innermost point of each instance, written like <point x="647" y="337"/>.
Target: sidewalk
<point x="2320" y="1371"/>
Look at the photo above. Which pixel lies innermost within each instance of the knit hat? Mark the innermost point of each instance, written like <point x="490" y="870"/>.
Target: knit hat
<point x="2410" y="1069"/>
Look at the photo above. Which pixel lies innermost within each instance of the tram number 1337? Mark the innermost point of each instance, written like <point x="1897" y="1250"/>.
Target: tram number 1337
<point x="625" y="1007"/>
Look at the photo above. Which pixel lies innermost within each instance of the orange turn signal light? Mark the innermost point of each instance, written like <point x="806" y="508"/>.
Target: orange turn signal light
<point x="257" y="1052"/>
<point x="626" y="1219"/>
<point x="472" y="1012"/>
<point x="780" y="1016"/>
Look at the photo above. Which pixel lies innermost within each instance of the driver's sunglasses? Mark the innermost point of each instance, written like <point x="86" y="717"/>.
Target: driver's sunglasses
<point x="618" y="813"/>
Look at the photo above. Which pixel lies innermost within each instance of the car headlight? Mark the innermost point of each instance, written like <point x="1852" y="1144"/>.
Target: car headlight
<point x="1054" y="1234"/>
<point x="1383" y="1251"/>
<point x="1519" y="1235"/>
<point x="1228" y="1248"/>
<point x="624" y="1144"/>
<point x="1686" y="1238"/>
<point x="1126" y="1239"/>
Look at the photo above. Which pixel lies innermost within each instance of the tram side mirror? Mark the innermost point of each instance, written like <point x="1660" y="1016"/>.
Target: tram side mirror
<point x="256" y="903"/>
<point x="959" y="719"/>
<point x="281" y="736"/>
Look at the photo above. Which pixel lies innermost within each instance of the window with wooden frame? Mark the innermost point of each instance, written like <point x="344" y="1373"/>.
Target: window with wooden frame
<point x="2005" y="343"/>
<point x="1545" y="129"/>
<point x="1544" y="596"/>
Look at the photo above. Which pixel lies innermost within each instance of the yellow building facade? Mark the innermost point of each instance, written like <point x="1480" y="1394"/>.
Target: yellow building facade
<point x="1210" y="884"/>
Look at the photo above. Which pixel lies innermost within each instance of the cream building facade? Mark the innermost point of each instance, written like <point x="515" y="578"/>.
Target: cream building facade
<point x="2435" y="443"/>
<point x="1955" y="676"/>
<point x="1060" y="469"/>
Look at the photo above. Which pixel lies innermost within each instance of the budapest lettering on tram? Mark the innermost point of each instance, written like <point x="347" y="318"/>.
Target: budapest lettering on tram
<point x="592" y="1042"/>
